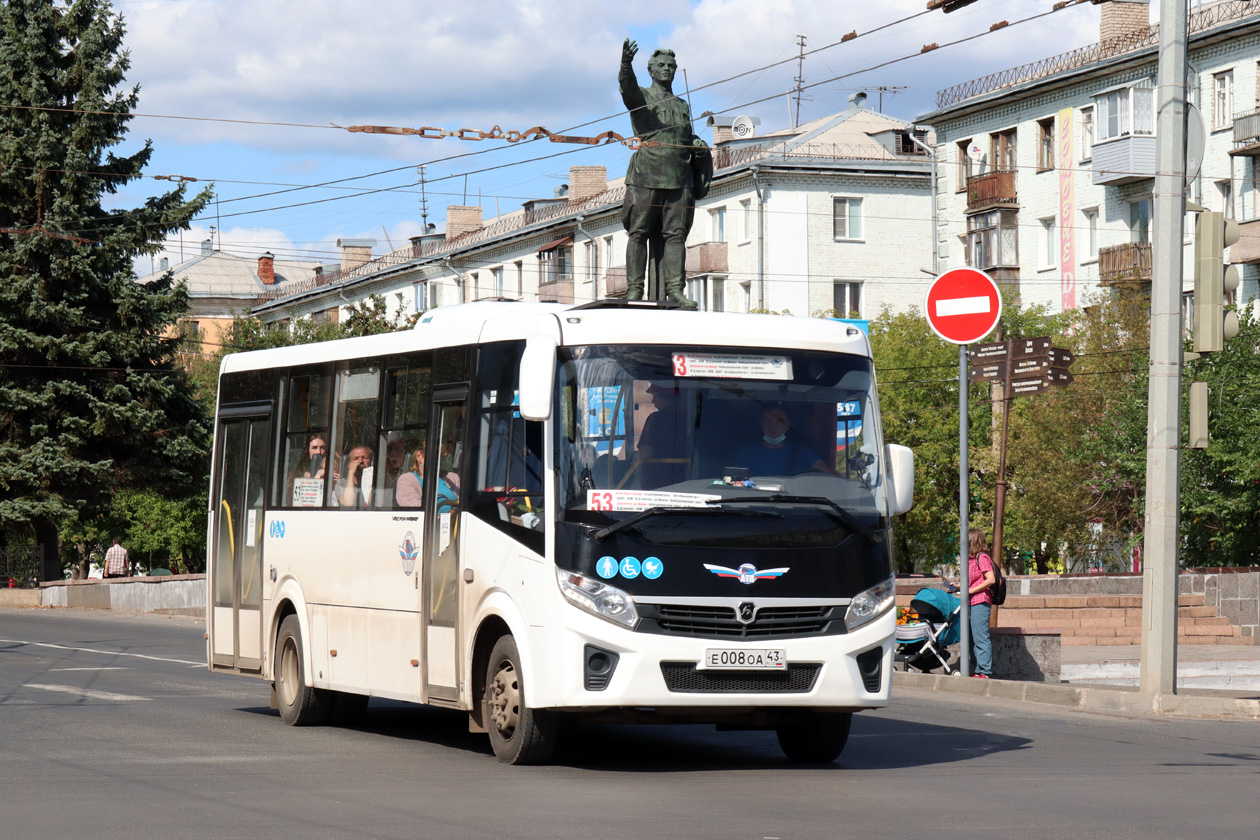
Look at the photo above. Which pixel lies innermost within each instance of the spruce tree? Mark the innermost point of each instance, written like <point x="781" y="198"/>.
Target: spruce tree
<point x="91" y="400"/>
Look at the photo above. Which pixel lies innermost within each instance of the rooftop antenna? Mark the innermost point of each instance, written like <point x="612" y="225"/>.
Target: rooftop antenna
<point x="424" y="201"/>
<point x="893" y="90"/>
<point x="800" y="78"/>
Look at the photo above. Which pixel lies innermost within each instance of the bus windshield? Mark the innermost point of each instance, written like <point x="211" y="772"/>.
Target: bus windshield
<point x="733" y="430"/>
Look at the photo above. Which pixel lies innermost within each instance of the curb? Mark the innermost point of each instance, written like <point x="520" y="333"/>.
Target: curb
<point x="1095" y="699"/>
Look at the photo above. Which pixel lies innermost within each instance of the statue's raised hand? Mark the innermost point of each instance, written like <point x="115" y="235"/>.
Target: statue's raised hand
<point x="628" y="51"/>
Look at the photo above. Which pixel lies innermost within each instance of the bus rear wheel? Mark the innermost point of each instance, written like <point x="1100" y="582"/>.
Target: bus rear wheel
<point x="813" y="737"/>
<point x="300" y="704"/>
<point x="518" y="734"/>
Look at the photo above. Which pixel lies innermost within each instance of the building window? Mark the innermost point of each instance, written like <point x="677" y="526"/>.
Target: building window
<point x="747" y="213"/>
<point x="556" y="264"/>
<point x="1091" y="233"/>
<point x="496" y="275"/>
<point x="1002" y="147"/>
<point x="708" y="291"/>
<point x="475" y="282"/>
<point x="520" y="278"/>
<point x="1225" y="192"/>
<point x="1125" y="111"/>
<point x="1045" y="144"/>
<point x="1223" y="100"/>
<point x="591" y="252"/>
<point x="746" y="292"/>
<point x="1140" y="221"/>
<point x="846" y="298"/>
<point x="718" y="218"/>
<point x="992" y="239"/>
<point x="608" y="253"/>
<point x="964" y="164"/>
<point x="1049" y="243"/>
<point x="1087" y="133"/>
<point x="847" y="218"/>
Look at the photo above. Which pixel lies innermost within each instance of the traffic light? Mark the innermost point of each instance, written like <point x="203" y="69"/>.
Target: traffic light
<point x="1213" y="281"/>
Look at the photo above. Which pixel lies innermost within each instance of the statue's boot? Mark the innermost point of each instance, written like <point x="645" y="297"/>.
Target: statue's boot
<point x="634" y="291"/>
<point x="674" y="294"/>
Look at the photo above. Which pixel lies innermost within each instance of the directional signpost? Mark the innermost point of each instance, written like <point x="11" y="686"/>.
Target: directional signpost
<point x="963" y="306"/>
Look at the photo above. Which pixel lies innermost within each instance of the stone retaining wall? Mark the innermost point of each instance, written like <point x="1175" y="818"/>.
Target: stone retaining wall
<point x="168" y="594"/>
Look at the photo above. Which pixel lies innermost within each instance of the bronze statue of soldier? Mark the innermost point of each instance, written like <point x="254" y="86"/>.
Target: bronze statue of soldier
<point x="665" y="177"/>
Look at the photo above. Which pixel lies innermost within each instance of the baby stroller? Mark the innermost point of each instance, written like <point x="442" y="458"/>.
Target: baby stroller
<point x="923" y="644"/>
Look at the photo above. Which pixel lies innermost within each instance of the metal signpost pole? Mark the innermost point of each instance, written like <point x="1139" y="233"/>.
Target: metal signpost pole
<point x="964" y="518"/>
<point x="1163" y="442"/>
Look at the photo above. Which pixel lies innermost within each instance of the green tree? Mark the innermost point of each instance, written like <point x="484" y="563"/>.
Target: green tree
<point x="91" y="401"/>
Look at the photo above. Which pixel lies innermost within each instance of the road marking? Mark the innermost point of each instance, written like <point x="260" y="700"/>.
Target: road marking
<point x="106" y="652"/>
<point x="105" y="668"/>
<point x="964" y="306"/>
<point x="86" y="692"/>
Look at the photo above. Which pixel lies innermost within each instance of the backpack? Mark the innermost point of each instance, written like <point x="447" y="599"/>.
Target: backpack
<point x="998" y="590"/>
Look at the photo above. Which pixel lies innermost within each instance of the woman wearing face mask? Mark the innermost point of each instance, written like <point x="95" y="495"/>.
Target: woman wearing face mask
<point x="779" y="452"/>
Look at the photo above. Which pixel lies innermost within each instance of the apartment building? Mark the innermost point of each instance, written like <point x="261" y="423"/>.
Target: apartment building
<point x="832" y="215"/>
<point x="1045" y="171"/>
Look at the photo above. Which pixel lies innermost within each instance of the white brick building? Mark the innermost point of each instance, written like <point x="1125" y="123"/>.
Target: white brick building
<point x="1045" y="171"/>
<point x="834" y="214"/>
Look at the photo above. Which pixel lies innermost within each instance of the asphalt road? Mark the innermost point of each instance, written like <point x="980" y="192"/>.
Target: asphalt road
<point x="111" y="727"/>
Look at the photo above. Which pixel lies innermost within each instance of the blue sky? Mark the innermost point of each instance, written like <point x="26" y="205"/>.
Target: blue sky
<point x="288" y="71"/>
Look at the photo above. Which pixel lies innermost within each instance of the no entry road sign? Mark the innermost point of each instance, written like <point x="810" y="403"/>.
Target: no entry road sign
<point x="963" y="305"/>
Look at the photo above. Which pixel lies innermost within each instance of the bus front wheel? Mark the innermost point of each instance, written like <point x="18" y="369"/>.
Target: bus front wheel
<point x="813" y="737"/>
<point x="518" y="734"/>
<point x="300" y="704"/>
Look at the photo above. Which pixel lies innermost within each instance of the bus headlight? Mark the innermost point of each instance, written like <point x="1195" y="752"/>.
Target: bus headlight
<point x="871" y="603"/>
<point x="598" y="598"/>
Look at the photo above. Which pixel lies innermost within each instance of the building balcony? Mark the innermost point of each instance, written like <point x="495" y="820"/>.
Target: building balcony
<point x="615" y="281"/>
<point x="1124" y="160"/>
<point x="1247" y="248"/>
<point x="1120" y="264"/>
<point x="1247" y="133"/>
<point x="556" y="291"/>
<point x="707" y="258"/>
<point x="992" y="189"/>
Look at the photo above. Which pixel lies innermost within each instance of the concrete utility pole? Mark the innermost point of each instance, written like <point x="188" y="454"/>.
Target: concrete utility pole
<point x="1163" y="425"/>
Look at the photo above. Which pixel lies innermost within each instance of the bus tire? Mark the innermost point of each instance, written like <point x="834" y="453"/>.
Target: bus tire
<point x="518" y="734"/>
<point x="300" y="704"/>
<point x="813" y="737"/>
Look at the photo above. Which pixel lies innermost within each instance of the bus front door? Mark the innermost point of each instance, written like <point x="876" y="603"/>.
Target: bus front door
<point x="441" y="583"/>
<point x="237" y="563"/>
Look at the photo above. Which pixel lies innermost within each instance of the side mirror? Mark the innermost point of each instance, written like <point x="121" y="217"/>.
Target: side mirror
<point x="900" y="460"/>
<point x="538" y="371"/>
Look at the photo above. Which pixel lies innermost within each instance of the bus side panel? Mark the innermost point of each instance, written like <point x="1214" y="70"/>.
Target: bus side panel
<point x="359" y="572"/>
<point x="517" y="585"/>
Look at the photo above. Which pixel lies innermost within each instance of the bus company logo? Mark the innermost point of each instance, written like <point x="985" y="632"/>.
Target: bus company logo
<point x="747" y="611"/>
<point x="409" y="551"/>
<point x="746" y="573"/>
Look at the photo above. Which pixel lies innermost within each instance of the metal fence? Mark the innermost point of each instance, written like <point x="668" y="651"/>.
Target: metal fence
<point x="19" y="567"/>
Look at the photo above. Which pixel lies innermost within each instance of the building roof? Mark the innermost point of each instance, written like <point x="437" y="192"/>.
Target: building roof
<point x="1208" y="23"/>
<point x="220" y="275"/>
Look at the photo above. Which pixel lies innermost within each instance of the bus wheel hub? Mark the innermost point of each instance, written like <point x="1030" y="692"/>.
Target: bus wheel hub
<point x="505" y="700"/>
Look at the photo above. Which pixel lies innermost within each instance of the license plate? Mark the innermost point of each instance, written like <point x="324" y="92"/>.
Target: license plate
<point x="741" y="659"/>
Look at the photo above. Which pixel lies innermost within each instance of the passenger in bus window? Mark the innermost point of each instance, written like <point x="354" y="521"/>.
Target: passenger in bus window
<point x="306" y="484"/>
<point x="408" y="490"/>
<point x="355" y="490"/>
<point x="778" y="451"/>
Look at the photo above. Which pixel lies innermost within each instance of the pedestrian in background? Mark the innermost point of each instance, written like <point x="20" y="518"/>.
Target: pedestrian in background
<point x="980" y="579"/>
<point x="117" y="563"/>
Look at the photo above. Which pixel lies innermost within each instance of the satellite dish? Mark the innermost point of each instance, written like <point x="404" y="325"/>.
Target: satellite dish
<point x="742" y="127"/>
<point x="975" y="152"/>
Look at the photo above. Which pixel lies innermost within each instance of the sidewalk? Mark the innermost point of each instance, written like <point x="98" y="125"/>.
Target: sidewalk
<point x="1212" y="682"/>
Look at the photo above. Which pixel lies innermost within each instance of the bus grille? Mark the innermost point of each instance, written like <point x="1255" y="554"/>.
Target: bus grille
<point x="687" y="678"/>
<point x="719" y="622"/>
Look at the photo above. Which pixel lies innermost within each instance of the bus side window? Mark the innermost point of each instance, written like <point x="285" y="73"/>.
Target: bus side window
<point x="306" y="444"/>
<point x="356" y="422"/>
<point x="404" y="432"/>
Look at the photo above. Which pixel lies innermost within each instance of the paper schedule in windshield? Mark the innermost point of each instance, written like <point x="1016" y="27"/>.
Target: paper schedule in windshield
<point x="635" y="500"/>
<point x="725" y="366"/>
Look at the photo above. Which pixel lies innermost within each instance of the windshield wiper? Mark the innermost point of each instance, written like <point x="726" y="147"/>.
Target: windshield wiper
<point x="845" y="517"/>
<point x="604" y="533"/>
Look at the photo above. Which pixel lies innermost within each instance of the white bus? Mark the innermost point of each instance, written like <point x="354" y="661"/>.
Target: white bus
<point x="624" y="512"/>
